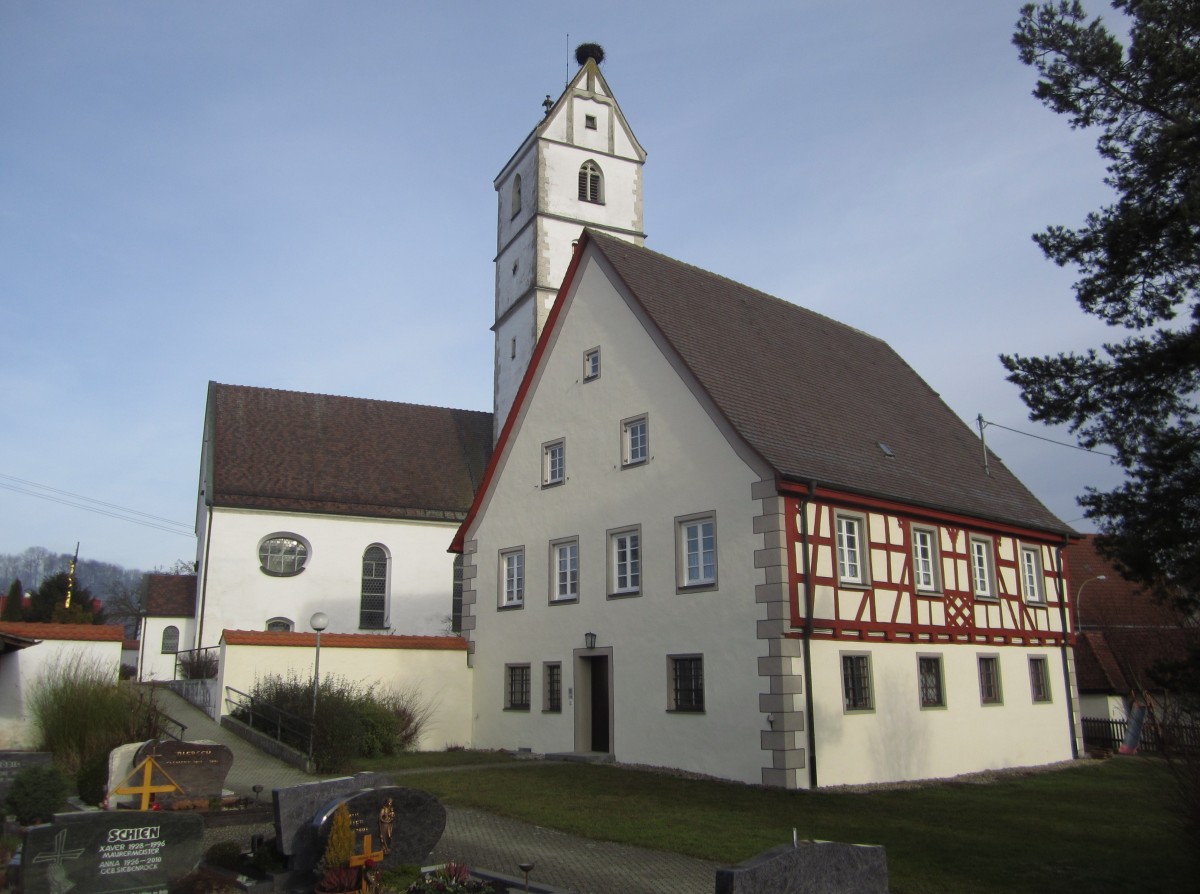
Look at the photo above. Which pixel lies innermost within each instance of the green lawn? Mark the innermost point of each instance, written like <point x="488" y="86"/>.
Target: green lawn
<point x="1095" y="827"/>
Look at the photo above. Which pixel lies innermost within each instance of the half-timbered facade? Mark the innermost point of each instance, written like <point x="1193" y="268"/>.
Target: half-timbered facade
<point x="696" y="547"/>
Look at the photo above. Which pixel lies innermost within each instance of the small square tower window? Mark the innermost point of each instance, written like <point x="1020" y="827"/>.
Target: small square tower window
<point x="589" y="121"/>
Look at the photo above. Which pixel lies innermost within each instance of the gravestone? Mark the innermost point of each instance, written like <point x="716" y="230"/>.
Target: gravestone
<point x="13" y="762"/>
<point x="809" y="867"/>
<point x="296" y="805"/>
<point x="198" y="768"/>
<point x="102" y="852"/>
<point x="403" y="824"/>
<point x="120" y="765"/>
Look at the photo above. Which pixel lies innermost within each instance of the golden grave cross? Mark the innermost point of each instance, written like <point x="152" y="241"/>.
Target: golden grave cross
<point x="359" y="861"/>
<point x="147" y="789"/>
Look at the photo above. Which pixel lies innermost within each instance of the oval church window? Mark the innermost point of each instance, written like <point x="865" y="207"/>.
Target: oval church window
<point x="282" y="555"/>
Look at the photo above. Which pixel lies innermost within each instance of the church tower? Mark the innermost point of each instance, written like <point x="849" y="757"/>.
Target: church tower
<point x="580" y="167"/>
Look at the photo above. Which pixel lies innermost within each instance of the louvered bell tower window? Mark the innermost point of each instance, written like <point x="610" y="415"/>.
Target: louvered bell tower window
<point x="373" y="608"/>
<point x="591" y="183"/>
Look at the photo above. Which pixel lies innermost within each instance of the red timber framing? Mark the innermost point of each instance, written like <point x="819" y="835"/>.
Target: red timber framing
<point x="888" y="607"/>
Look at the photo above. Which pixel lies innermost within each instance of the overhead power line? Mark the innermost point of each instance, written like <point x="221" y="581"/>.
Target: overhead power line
<point x="100" y="507"/>
<point x="985" y="423"/>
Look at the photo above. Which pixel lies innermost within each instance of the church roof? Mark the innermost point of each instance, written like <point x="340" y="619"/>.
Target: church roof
<point x="292" y="451"/>
<point x="170" y="595"/>
<point x="817" y="399"/>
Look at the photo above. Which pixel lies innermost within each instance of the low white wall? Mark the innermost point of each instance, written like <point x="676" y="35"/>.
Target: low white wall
<point x="21" y="669"/>
<point x="440" y="677"/>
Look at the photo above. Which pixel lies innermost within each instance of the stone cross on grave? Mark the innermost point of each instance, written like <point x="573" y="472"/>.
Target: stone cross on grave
<point x="147" y="789"/>
<point x="57" y="876"/>
<point x="359" y="861"/>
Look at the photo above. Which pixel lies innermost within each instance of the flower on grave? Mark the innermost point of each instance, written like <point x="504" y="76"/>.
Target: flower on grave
<point x="450" y="878"/>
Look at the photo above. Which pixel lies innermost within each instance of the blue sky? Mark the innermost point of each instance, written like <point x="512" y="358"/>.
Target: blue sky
<point x="299" y="195"/>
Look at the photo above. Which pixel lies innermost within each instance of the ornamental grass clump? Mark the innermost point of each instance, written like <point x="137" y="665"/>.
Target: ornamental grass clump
<point x="81" y="712"/>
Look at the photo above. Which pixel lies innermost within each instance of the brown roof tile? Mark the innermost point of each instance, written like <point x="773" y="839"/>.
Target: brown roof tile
<point x="343" y="640"/>
<point x="343" y="455"/>
<point x="815" y="398"/>
<point x="170" y="595"/>
<point x="99" y="633"/>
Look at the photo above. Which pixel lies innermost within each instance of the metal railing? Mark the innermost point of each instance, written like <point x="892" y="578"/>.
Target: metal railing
<point x="1104" y="734"/>
<point x="282" y="726"/>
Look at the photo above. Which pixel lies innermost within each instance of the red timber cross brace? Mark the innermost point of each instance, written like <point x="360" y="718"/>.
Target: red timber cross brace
<point x="886" y="606"/>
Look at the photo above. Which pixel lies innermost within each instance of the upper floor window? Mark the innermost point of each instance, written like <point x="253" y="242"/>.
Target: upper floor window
<point x="925" y="560"/>
<point x="591" y="364"/>
<point x="282" y="555"/>
<point x="512" y="582"/>
<point x="554" y="462"/>
<point x="635" y="441"/>
<point x="1031" y="574"/>
<point x="697" y="539"/>
<point x="516" y="197"/>
<point x="625" y="562"/>
<point x="170" y="640"/>
<point x="851" y="549"/>
<point x="591" y="183"/>
<point x="372" y="612"/>
<point x="982" y="578"/>
<point x="564" y="560"/>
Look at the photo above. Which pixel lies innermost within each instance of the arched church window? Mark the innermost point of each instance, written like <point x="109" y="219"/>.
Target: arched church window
<point x="282" y="555"/>
<point x="516" y="195"/>
<point x="280" y="625"/>
<point x="373" y="608"/>
<point x="170" y="640"/>
<point x="591" y="183"/>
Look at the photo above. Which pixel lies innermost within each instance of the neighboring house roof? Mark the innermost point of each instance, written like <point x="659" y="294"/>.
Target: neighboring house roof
<point x="170" y="595"/>
<point x="342" y="640"/>
<point x="292" y="451"/>
<point x="814" y="398"/>
<point x="99" y="633"/>
<point x="1123" y="630"/>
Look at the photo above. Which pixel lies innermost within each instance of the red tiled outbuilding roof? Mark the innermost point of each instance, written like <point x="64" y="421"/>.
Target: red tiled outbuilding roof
<point x="170" y="595"/>
<point x="287" y="450"/>
<point x="100" y="633"/>
<point x="343" y="640"/>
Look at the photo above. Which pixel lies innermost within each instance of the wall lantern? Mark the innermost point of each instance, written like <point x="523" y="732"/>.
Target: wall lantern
<point x="589" y="640"/>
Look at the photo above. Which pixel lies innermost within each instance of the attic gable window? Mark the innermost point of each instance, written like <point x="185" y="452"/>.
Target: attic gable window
<point x="283" y="554"/>
<point x="591" y="183"/>
<point x="589" y="121"/>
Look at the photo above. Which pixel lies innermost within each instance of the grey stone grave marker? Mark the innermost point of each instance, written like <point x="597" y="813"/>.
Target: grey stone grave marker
<point x="809" y="867"/>
<point x="296" y="805"/>
<point x="417" y="821"/>
<point x="199" y="768"/>
<point x="13" y="762"/>
<point x="102" y="852"/>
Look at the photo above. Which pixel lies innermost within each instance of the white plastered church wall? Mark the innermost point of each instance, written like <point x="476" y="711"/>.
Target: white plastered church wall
<point x="236" y="594"/>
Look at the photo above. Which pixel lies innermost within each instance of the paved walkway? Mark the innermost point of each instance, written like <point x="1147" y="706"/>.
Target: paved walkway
<point x="479" y="839"/>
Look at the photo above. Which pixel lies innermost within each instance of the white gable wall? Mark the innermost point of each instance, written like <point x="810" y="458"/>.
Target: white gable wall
<point x="155" y="664"/>
<point x="692" y="469"/>
<point x="235" y="593"/>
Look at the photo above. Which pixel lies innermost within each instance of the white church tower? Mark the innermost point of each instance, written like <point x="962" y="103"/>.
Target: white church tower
<point x="581" y="166"/>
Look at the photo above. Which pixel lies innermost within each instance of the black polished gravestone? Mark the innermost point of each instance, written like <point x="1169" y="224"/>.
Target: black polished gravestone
<point x="404" y="824"/>
<point x="102" y="852"/>
<point x="198" y="768"/>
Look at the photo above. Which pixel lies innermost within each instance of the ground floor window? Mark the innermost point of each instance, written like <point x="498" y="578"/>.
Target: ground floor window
<point x="517" y="687"/>
<point x="1039" y="679"/>
<point x="929" y="681"/>
<point x="687" y="683"/>
<point x="856" y="683"/>
<point x="989" y="680"/>
<point x="552" y="674"/>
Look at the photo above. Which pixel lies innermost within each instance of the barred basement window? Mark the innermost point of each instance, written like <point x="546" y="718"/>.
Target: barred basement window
<point x="552" y="697"/>
<point x="372" y="612"/>
<point x="517" y="694"/>
<point x="687" y="683"/>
